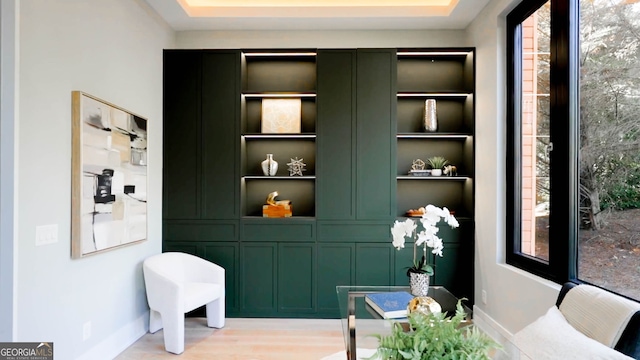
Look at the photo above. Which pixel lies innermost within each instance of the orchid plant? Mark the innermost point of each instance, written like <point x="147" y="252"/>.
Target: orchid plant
<point x="426" y="237"/>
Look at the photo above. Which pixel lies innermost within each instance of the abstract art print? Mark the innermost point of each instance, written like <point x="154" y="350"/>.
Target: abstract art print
<point x="281" y="116"/>
<point x="109" y="176"/>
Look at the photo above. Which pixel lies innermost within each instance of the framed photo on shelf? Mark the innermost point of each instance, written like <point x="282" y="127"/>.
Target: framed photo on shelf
<point x="109" y="176"/>
<point x="281" y="116"/>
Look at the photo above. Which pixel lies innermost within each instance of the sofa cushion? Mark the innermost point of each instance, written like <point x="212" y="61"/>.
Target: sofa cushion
<point x="551" y="337"/>
<point x="597" y="313"/>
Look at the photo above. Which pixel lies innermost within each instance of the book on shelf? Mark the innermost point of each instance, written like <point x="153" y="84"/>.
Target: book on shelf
<point x="390" y="305"/>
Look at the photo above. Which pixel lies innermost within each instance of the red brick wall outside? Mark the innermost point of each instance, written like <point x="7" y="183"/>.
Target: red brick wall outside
<point x="529" y="126"/>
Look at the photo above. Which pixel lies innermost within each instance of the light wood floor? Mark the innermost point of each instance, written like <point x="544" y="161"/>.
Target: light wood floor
<point x="247" y="339"/>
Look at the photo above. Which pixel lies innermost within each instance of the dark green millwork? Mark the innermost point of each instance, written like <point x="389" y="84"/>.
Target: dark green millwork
<point x="296" y="266"/>
<point x="220" y="135"/>
<point x="227" y="255"/>
<point x="336" y="263"/>
<point x="374" y="264"/>
<point x="360" y="130"/>
<point x="258" y="278"/>
<point x="201" y="144"/>
<point x="375" y="128"/>
<point x="336" y="134"/>
<point x="181" y="134"/>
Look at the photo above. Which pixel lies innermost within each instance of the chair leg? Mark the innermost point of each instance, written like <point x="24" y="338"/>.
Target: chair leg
<point x="155" y="321"/>
<point x="174" y="332"/>
<point x="216" y="313"/>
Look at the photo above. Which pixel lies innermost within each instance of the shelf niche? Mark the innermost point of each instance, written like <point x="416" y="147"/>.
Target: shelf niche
<point x="277" y="75"/>
<point x="446" y="75"/>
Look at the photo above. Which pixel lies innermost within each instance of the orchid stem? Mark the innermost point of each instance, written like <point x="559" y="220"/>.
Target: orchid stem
<point x="415" y="251"/>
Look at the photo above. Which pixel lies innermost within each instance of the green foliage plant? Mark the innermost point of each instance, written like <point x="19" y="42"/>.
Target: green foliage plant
<point x="435" y="336"/>
<point x="437" y="162"/>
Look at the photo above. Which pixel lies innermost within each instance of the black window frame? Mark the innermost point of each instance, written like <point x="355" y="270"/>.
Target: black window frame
<point x="564" y="126"/>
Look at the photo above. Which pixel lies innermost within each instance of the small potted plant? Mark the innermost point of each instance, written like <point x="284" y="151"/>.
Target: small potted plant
<point x="435" y="336"/>
<point x="437" y="163"/>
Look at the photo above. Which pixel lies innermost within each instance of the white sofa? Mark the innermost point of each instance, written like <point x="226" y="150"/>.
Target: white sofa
<point x="586" y="323"/>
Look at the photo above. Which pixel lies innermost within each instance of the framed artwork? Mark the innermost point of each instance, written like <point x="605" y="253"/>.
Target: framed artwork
<point x="109" y="176"/>
<point x="281" y="116"/>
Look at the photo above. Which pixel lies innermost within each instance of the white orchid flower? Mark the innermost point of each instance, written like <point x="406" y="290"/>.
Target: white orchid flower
<point x="398" y="233"/>
<point x="409" y="227"/>
<point x="450" y="219"/>
<point x="437" y="246"/>
<point x="427" y="237"/>
<point x="431" y="215"/>
<point x="422" y="237"/>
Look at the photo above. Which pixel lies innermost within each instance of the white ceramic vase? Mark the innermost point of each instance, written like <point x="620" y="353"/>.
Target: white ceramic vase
<point x="269" y="166"/>
<point x="436" y="172"/>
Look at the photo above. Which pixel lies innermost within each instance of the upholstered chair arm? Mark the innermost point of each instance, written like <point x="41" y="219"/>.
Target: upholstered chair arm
<point x="199" y="270"/>
<point x="163" y="293"/>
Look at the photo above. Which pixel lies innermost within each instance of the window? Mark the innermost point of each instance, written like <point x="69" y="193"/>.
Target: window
<point x="542" y="138"/>
<point x="573" y="160"/>
<point x="609" y="231"/>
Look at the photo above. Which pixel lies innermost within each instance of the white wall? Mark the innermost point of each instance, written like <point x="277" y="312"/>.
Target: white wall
<point x="514" y="297"/>
<point x="111" y="49"/>
<point x="8" y="110"/>
<point x="319" y="39"/>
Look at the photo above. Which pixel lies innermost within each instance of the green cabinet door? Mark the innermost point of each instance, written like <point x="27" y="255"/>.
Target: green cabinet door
<point x="181" y="134"/>
<point x="219" y="134"/>
<point x="454" y="270"/>
<point x="258" y="278"/>
<point x="336" y="263"/>
<point x="180" y="246"/>
<point x="225" y="254"/>
<point x="376" y="128"/>
<point x="335" y="159"/>
<point x="374" y="264"/>
<point x="403" y="261"/>
<point x="296" y="285"/>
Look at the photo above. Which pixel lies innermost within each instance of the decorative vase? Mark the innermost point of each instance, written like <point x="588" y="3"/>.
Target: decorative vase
<point x="423" y="304"/>
<point x="436" y="172"/>
<point x="419" y="284"/>
<point x="430" y="116"/>
<point x="269" y="166"/>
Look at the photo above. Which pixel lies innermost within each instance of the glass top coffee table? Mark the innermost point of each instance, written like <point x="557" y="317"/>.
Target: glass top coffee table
<point x="353" y="306"/>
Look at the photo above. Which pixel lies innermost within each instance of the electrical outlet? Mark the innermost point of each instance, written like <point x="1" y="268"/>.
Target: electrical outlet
<point x="46" y="234"/>
<point x="484" y="297"/>
<point x="86" y="330"/>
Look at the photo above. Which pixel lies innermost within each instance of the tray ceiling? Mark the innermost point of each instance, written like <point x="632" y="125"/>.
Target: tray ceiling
<point x="317" y="14"/>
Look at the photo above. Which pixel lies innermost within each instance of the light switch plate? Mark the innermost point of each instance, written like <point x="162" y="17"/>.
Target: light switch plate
<point x="46" y="234"/>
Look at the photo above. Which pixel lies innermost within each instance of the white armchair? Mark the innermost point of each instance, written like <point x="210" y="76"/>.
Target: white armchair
<point x="176" y="284"/>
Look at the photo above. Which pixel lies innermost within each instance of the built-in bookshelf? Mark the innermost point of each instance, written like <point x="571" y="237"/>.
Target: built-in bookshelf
<point x="278" y="75"/>
<point x="447" y="76"/>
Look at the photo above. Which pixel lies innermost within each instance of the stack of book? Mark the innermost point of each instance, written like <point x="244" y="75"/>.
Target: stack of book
<point x="389" y="305"/>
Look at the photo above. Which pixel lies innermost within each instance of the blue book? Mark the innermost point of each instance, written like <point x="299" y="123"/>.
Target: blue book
<point x="390" y="305"/>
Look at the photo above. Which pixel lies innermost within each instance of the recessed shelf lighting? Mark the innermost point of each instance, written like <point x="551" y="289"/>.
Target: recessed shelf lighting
<point x="422" y="95"/>
<point x="271" y="54"/>
<point x="279" y="95"/>
<point x="432" y="136"/>
<point x="433" y="53"/>
<point x="279" y="136"/>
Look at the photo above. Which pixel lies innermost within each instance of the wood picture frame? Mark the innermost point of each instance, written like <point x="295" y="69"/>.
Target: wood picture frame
<point x="108" y="176"/>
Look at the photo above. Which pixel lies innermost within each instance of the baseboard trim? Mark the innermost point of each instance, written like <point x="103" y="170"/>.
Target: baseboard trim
<point x="117" y="342"/>
<point x="487" y="324"/>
